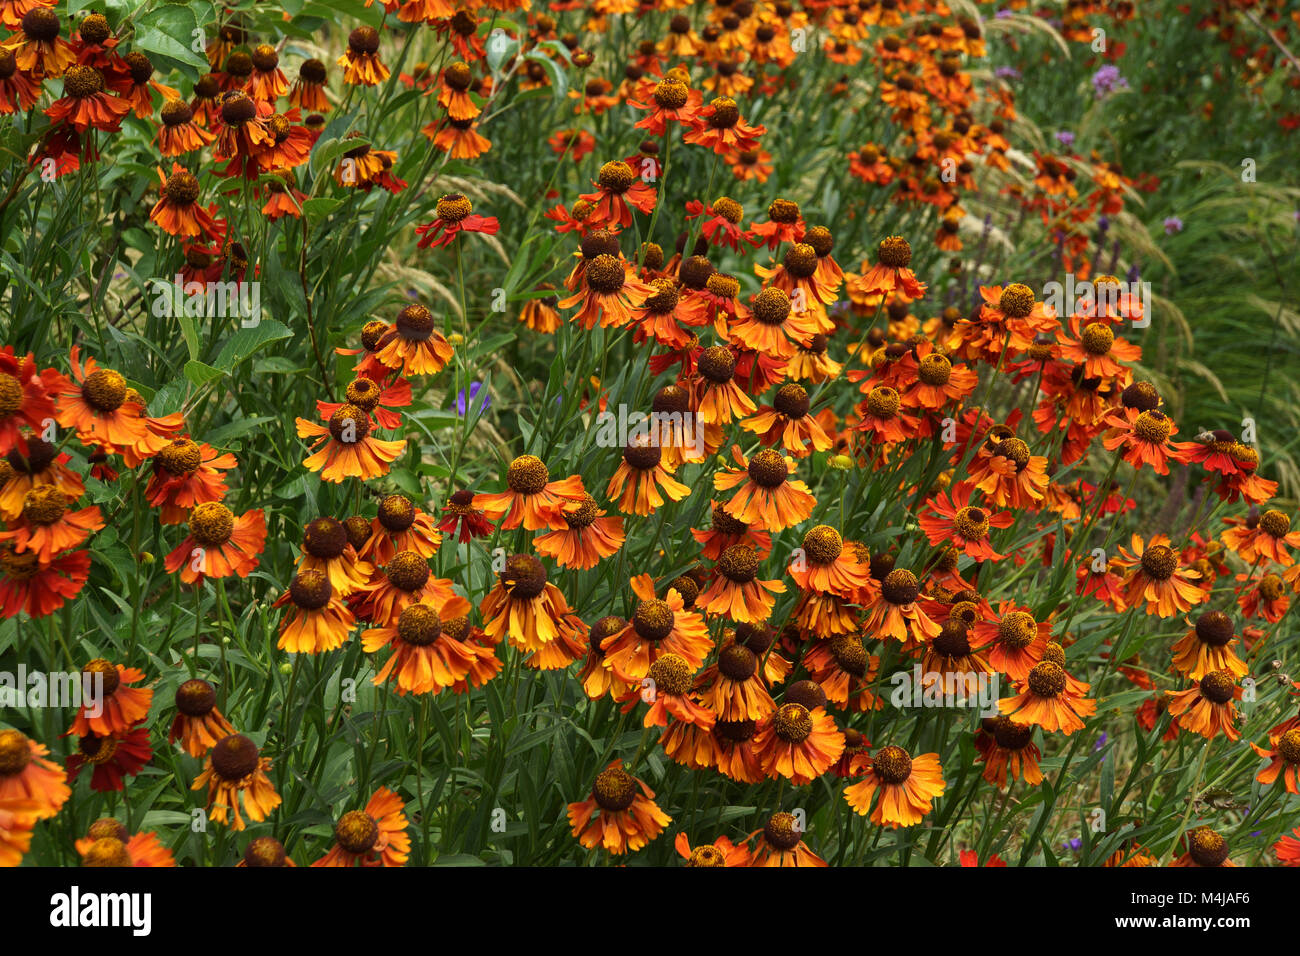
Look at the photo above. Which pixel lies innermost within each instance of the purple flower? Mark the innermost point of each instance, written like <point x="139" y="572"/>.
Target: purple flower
<point x="1007" y="73"/>
<point x="1101" y="742"/>
<point x="1107" y="80"/>
<point x="1074" y="844"/>
<point x="1172" y="225"/>
<point x="474" y="389"/>
<point x="1065" y="137"/>
<point x="1002" y="14"/>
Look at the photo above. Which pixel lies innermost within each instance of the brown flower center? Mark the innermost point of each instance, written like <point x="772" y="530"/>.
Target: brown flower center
<point x="196" y="698"/>
<point x="1214" y="628"/>
<point x="1046" y="679"/>
<point x="1016" y="301"/>
<point x="234" y="757"/>
<point x="1206" y="847"/>
<point x="605" y="274"/>
<point x="356" y="832"/>
<point x="104" y="390"/>
<point x="310" y="589"/>
<point x="407" y="571"/>
<point x="792" y="723"/>
<point x="414" y="323"/>
<point x="894" y="252"/>
<point x="211" y="523"/>
<point x="419" y="625"/>
<point x="653" y="620"/>
<point x="883" y="402"/>
<point x="1159" y="562"/>
<point x="527" y="475"/>
<point x="900" y="587"/>
<point x="524" y="576"/>
<point x="614" y="789"/>
<point x="892" y="764"/>
<point x="82" y="81"/>
<point x="15" y="752"/>
<point x="1275" y="524"/>
<point x="768" y="469"/>
<point x="1218" y="687"/>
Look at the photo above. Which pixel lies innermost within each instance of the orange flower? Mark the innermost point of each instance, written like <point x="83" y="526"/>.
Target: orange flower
<point x="308" y="91"/>
<point x="347" y="449"/>
<point x="531" y="611"/>
<point x="643" y="479"/>
<point x="1048" y="698"/>
<point x="453" y="93"/>
<point x="37" y="47"/>
<point x="406" y="579"/>
<point x="657" y="627"/>
<point x="618" y="191"/>
<point x="17" y="818"/>
<point x="1267" y="540"/>
<point x="1144" y="437"/>
<point x="326" y="548"/>
<point x="891" y="273"/>
<point x="726" y="530"/>
<point x="219" y="544"/>
<point x="720" y="127"/>
<point x="1208" y="647"/>
<point x="667" y="689"/>
<point x="1156" y="580"/>
<point x="361" y="63"/>
<point x="399" y="526"/>
<point x="180" y="133"/>
<point x="611" y="293"/>
<point x="590" y="536"/>
<point x="736" y="590"/>
<point x="198" y="724"/>
<point x="907" y="785"/>
<point x="426" y="658"/>
<point x="117" y="707"/>
<point x="965" y="527"/>
<point x="1018" y="640"/>
<point x="375" y="836"/>
<point x="531" y="498"/>
<point x="798" y="743"/>
<point x="842" y="668"/>
<point x="232" y="770"/>
<point x="1007" y="746"/>
<point x="85" y="104"/>
<point x="1205" y="848"/>
<point x="765" y="497"/>
<point x="319" y="621"/>
<point x="97" y="404"/>
<point x="1288" y="848"/>
<point x="46" y="527"/>
<point x="1284" y="760"/>
<point x="185" y="474"/>
<point x="721" y="852"/>
<point x="27" y="775"/>
<point x="108" y="843"/>
<point x="895" y="614"/>
<point x="620" y="815"/>
<point x="1009" y="474"/>
<point x="781" y="844"/>
<point x="736" y="691"/>
<point x="412" y="344"/>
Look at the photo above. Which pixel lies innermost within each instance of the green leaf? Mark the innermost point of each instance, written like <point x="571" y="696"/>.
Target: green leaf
<point x="201" y="374"/>
<point x="317" y="209"/>
<point x="246" y="341"/>
<point x="171" y="32"/>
